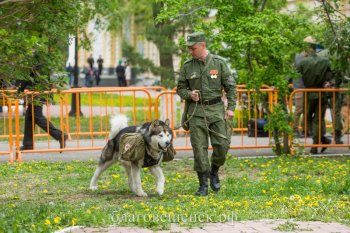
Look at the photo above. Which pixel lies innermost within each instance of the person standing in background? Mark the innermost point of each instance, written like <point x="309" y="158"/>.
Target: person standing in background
<point x="97" y="77"/>
<point x="89" y="75"/>
<point x="100" y="65"/>
<point x="91" y="61"/>
<point x="69" y="70"/>
<point x="34" y="113"/>
<point x="120" y="70"/>
<point x="315" y="72"/>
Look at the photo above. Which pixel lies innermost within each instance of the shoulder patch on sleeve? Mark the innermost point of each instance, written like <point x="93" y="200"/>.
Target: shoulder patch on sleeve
<point x="188" y="60"/>
<point x="218" y="57"/>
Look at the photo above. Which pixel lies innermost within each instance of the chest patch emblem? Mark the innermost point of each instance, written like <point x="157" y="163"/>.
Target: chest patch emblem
<point x="213" y="73"/>
<point x="193" y="75"/>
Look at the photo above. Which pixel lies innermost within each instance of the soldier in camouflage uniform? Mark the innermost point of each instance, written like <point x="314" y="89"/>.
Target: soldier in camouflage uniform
<point x="337" y="82"/>
<point x="202" y="81"/>
<point x="315" y="71"/>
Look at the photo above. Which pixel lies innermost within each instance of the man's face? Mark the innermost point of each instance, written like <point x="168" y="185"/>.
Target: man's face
<point x="197" y="50"/>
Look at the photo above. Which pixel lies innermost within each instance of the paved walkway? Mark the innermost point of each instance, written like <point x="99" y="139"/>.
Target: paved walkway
<point x="263" y="226"/>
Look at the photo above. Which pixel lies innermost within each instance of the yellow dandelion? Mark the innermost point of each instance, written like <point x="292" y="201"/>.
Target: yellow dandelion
<point x="341" y="205"/>
<point x="47" y="222"/>
<point x="88" y="211"/>
<point x="45" y="191"/>
<point x="74" y="221"/>
<point x="125" y="206"/>
<point x="57" y="220"/>
<point x="115" y="176"/>
<point x="268" y="203"/>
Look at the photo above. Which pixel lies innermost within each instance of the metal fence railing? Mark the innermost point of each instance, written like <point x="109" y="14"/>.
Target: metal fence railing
<point x="83" y="114"/>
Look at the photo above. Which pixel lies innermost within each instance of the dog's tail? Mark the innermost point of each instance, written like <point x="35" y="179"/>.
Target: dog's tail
<point x="118" y="122"/>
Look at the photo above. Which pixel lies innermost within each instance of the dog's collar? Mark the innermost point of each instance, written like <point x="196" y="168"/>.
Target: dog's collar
<point x="149" y="161"/>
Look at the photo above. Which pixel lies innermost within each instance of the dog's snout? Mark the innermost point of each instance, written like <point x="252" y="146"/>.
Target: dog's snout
<point x="167" y="143"/>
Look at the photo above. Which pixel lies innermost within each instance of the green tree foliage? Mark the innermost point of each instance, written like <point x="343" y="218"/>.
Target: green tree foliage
<point x="162" y="33"/>
<point x="336" y="35"/>
<point x="260" y="39"/>
<point x="40" y="27"/>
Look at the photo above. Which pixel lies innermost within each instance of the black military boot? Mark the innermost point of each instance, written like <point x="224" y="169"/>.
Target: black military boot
<point x="203" y="184"/>
<point x="337" y="137"/>
<point x="313" y="150"/>
<point x="325" y="140"/>
<point x="214" y="178"/>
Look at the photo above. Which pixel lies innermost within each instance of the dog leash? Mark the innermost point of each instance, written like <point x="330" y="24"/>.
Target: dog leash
<point x="206" y="122"/>
<point x="189" y="118"/>
<point x="205" y="118"/>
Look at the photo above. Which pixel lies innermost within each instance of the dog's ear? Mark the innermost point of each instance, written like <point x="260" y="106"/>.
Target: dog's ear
<point x="154" y="124"/>
<point x="167" y="122"/>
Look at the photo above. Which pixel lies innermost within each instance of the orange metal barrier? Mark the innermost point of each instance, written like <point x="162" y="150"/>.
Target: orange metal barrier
<point x="7" y="123"/>
<point x="330" y="119"/>
<point x="168" y="105"/>
<point x="88" y="127"/>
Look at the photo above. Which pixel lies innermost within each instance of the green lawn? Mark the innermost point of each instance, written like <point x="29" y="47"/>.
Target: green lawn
<point x="46" y="196"/>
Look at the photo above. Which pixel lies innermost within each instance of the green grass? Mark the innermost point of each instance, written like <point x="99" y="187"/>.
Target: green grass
<point x="47" y="196"/>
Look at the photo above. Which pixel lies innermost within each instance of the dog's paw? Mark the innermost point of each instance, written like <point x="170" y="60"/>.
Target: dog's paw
<point x="93" y="187"/>
<point x="160" y="191"/>
<point x="141" y="194"/>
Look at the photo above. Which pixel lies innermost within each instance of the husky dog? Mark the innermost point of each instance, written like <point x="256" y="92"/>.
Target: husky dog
<point x="157" y="137"/>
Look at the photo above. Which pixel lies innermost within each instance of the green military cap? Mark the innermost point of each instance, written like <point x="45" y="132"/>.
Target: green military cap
<point x="194" y="38"/>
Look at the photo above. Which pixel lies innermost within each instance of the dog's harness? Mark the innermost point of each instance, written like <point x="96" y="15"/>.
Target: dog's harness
<point x="132" y="147"/>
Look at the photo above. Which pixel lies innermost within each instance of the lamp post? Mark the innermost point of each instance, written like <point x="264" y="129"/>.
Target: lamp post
<point x="76" y="96"/>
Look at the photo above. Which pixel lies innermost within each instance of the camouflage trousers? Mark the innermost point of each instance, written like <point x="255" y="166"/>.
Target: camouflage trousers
<point x="200" y="135"/>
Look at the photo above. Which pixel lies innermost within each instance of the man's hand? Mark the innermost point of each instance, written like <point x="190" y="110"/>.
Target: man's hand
<point x="229" y="114"/>
<point x="327" y="84"/>
<point x="195" y="95"/>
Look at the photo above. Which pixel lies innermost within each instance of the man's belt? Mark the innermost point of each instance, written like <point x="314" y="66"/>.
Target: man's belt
<point x="210" y="102"/>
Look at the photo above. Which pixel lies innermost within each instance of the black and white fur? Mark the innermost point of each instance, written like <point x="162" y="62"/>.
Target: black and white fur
<point x="157" y="136"/>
